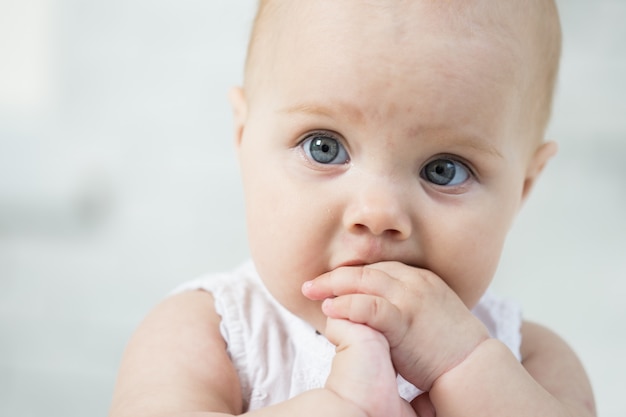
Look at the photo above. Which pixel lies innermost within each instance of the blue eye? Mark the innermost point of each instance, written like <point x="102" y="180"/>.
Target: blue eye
<point x="445" y="172"/>
<point x="325" y="149"/>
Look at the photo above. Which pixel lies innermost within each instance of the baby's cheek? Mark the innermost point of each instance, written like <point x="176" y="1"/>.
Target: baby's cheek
<point x="470" y="279"/>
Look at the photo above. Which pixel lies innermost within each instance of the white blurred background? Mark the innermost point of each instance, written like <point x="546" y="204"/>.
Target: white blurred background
<point x="118" y="181"/>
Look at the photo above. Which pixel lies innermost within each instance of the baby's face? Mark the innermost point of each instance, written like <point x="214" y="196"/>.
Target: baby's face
<point x="371" y="136"/>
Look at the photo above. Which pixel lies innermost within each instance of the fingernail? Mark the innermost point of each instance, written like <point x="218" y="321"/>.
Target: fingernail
<point x="307" y="285"/>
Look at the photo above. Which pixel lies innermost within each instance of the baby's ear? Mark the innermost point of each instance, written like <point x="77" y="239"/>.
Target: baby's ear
<point x="536" y="165"/>
<point x="239" y="106"/>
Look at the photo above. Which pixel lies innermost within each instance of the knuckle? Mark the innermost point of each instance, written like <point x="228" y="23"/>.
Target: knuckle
<point x="376" y="307"/>
<point x="364" y="279"/>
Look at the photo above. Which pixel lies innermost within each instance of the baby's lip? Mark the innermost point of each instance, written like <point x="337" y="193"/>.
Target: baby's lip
<point x="354" y="262"/>
<point x="361" y="262"/>
<point x="358" y="262"/>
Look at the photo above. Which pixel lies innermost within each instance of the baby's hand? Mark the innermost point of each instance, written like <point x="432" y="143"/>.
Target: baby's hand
<point x="428" y="328"/>
<point x="362" y="372"/>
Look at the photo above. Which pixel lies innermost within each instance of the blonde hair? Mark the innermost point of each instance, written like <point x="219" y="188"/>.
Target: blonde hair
<point x="260" y="34"/>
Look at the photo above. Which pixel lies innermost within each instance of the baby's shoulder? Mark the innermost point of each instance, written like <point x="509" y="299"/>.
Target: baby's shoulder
<point x="181" y="354"/>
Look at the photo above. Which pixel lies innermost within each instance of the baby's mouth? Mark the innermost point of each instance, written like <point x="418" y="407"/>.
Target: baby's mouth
<point x="362" y="262"/>
<point x="355" y="262"/>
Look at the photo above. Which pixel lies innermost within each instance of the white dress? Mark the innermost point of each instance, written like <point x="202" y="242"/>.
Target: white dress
<point x="277" y="355"/>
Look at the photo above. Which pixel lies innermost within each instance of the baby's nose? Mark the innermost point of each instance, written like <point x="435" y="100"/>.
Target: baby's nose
<point x="380" y="209"/>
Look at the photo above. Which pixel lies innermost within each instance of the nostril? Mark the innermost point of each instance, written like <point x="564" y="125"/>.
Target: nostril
<point x="361" y="228"/>
<point x="392" y="233"/>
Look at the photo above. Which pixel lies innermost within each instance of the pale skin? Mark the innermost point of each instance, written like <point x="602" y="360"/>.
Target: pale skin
<point x="385" y="202"/>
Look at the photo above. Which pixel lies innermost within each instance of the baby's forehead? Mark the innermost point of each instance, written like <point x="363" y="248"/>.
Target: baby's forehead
<point x="524" y="34"/>
<point x="469" y="14"/>
<point x="518" y="26"/>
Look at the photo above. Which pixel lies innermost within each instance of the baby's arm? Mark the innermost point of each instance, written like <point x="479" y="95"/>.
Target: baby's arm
<point x="550" y="381"/>
<point x="553" y="364"/>
<point x="176" y="365"/>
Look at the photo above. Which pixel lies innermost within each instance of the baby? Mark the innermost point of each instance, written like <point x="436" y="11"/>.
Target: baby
<point x="386" y="147"/>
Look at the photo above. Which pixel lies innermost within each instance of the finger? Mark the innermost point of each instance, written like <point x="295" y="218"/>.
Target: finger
<point x="351" y="280"/>
<point x="344" y="333"/>
<point x="375" y="312"/>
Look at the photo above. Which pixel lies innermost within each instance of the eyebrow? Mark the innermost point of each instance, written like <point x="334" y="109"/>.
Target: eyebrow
<point x="478" y="145"/>
<point x="354" y="114"/>
<point x="346" y="110"/>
